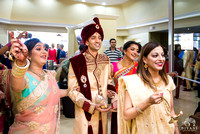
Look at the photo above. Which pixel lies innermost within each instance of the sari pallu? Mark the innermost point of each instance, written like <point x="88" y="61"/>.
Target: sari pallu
<point x="123" y="72"/>
<point x="117" y="74"/>
<point x="38" y="112"/>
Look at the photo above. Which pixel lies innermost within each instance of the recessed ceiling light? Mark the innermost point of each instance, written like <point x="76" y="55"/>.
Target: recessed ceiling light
<point x="104" y="3"/>
<point x="83" y="0"/>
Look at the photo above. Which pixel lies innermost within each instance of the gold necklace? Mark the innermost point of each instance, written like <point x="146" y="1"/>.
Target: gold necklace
<point x="165" y="102"/>
<point x="157" y="84"/>
<point x="122" y="63"/>
<point x="39" y="75"/>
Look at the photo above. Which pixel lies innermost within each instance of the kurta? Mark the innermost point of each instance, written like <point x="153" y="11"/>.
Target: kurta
<point x="99" y="75"/>
<point x="155" y="118"/>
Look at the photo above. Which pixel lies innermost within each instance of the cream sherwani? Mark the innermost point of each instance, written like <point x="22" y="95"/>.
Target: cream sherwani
<point x="155" y="118"/>
<point x="99" y="74"/>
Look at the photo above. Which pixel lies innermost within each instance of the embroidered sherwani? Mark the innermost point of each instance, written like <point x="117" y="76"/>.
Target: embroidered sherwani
<point x="99" y="75"/>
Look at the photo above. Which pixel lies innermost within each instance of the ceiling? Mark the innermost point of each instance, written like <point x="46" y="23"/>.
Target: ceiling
<point x="104" y="2"/>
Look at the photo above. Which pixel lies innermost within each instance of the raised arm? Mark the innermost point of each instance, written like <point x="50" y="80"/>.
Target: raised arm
<point x="20" y="66"/>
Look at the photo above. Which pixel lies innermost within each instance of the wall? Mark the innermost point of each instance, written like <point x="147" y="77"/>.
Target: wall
<point x="68" y="12"/>
<point x="9" y="27"/>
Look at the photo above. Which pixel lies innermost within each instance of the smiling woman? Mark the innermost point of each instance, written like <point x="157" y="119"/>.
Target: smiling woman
<point x="141" y="95"/>
<point x="36" y="95"/>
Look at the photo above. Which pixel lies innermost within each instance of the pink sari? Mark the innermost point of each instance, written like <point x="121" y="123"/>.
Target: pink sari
<point x="38" y="113"/>
<point x="118" y="72"/>
<point x="123" y="72"/>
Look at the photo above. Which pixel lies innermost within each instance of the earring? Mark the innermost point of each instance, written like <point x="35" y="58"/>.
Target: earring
<point x="145" y="66"/>
<point x="29" y="59"/>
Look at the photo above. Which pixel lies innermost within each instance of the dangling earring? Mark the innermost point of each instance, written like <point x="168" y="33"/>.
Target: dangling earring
<point x="29" y="58"/>
<point x="145" y="66"/>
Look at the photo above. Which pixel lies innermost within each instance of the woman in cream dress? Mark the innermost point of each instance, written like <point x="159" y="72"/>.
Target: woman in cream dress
<point x="145" y="103"/>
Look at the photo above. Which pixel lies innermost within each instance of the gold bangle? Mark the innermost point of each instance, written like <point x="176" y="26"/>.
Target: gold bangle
<point x="19" y="71"/>
<point x="138" y="110"/>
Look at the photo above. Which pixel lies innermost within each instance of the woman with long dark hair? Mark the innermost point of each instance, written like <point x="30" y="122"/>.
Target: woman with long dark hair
<point x="145" y="102"/>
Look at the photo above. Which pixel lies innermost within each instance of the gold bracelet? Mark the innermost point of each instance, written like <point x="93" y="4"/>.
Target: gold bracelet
<point x="19" y="71"/>
<point x="138" y="110"/>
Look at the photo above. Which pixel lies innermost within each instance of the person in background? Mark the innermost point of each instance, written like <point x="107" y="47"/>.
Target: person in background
<point x="89" y="80"/>
<point x="187" y="65"/>
<point x="80" y="49"/>
<point x="113" y="53"/>
<point x="2" y="96"/>
<point x="52" y="53"/>
<point x="127" y="66"/>
<point x="46" y="65"/>
<point x="62" y="54"/>
<point x="58" y="53"/>
<point x="36" y="96"/>
<point x="145" y="100"/>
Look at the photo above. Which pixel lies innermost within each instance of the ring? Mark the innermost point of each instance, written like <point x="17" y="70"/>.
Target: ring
<point x="10" y="57"/>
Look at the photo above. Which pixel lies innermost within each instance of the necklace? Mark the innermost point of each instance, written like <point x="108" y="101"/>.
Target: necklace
<point x="157" y="84"/>
<point x="39" y="75"/>
<point x="124" y="65"/>
<point x="165" y="102"/>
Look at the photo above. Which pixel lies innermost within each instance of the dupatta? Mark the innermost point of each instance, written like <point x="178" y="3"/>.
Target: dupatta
<point x="38" y="113"/>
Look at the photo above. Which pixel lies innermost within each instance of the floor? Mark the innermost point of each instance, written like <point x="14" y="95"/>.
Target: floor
<point x="187" y="102"/>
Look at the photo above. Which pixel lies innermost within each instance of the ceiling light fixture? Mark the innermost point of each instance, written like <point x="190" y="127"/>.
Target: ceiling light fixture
<point x="83" y="0"/>
<point x="104" y="3"/>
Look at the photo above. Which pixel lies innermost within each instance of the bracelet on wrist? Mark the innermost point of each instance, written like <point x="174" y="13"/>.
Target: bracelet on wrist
<point x="138" y="110"/>
<point x="19" y="71"/>
<point x="9" y="44"/>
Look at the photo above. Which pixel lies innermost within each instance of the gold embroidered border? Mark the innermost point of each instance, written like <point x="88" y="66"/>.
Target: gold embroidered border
<point x="34" y="96"/>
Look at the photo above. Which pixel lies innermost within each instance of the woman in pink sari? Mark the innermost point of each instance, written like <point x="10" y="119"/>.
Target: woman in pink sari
<point x="127" y="66"/>
<point x="36" y="96"/>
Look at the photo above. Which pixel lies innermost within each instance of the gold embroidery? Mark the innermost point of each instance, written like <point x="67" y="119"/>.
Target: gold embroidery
<point x="102" y="57"/>
<point x="33" y="97"/>
<point x="27" y="82"/>
<point x="33" y="125"/>
<point x="54" y="90"/>
<point x="45" y="128"/>
<point x="39" y="109"/>
<point x="35" y="83"/>
<point x="56" y="108"/>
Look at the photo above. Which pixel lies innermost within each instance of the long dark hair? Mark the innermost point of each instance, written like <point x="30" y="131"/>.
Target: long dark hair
<point x="145" y="74"/>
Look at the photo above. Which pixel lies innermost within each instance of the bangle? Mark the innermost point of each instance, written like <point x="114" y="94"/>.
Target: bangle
<point x="19" y="71"/>
<point x="138" y="110"/>
<point x="9" y="44"/>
